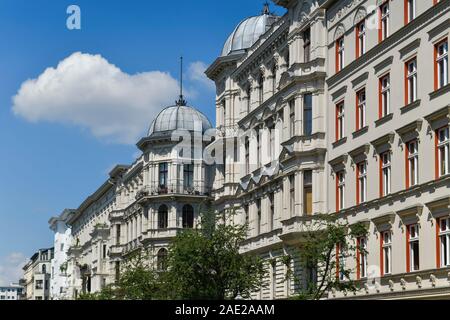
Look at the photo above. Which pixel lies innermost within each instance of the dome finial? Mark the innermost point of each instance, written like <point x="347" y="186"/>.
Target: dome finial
<point x="181" y="101"/>
<point x="266" y="9"/>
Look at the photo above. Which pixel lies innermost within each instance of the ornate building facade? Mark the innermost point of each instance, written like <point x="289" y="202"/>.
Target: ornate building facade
<point x="338" y="107"/>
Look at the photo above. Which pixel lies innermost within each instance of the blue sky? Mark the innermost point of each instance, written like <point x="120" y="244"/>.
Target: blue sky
<point x="53" y="159"/>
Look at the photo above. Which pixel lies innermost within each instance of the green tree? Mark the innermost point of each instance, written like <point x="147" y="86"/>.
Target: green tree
<point x="205" y="263"/>
<point x="318" y="255"/>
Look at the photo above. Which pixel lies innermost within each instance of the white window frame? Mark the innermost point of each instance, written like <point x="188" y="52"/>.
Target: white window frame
<point x="412" y="80"/>
<point x="341" y="120"/>
<point x="386" y="172"/>
<point x="341" y="53"/>
<point x="385" y="13"/>
<point x="362" y="37"/>
<point x="411" y="10"/>
<point x="442" y="64"/>
<point x="341" y="189"/>
<point x="363" y="257"/>
<point x="444" y="151"/>
<point x="387" y="252"/>
<point x="413" y="162"/>
<point x="386" y="95"/>
<point x="362" y="108"/>
<point x="362" y="180"/>
<point x="413" y="238"/>
<point x="444" y="240"/>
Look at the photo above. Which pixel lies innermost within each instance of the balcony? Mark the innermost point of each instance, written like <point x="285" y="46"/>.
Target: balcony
<point x="116" y="250"/>
<point x="177" y="189"/>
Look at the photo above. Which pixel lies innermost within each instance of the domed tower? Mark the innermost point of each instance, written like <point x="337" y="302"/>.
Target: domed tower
<point x="230" y="99"/>
<point x="168" y="186"/>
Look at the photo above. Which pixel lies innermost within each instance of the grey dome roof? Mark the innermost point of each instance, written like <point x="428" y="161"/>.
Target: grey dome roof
<point x="248" y="32"/>
<point x="179" y="118"/>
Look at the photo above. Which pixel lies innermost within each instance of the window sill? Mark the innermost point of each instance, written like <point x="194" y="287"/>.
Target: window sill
<point x="339" y="142"/>
<point x="383" y="120"/>
<point x="439" y="92"/>
<point x="360" y="132"/>
<point x="410" y="106"/>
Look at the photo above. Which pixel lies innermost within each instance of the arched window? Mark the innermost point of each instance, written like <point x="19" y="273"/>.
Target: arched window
<point x="163" y="217"/>
<point x="188" y="217"/>
<point x="162" y="260"/>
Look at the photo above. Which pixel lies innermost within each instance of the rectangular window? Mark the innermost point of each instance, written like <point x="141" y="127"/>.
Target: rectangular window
<point x="386" y="252"/>
<point x="117" y="234"/>
<point x="188" y="175"/>
<point x="259" y="216"/>
<point x="307" y="193"/>
<point x="340" y="191"/>
<point x="271" y="211"/>
<point x="441" y="64"/>
<point x="163" y="172"/>
<point x="360" y="38"/>
<point x="444" y="237"/>
<point x="272" y="142"/>
<point x="340" y="121"/>
<point x="39" y="284"/>
<point x="384" y="21"/>
<point x="258" y="148"/>
<point x="340" y="54"/>
<point x="292" y="118"/>
<point x="292" y="194"/>
<point x="385" y="173"/>
<point x="342" y="252"/>
<point x="105" y="251"/>
<point x="412" y="164"/>
<point x="261" y="89"/>
<point x="410" y="10"/>
<point x="362" y="258"/>
<point x="249" y="98"/>
<point x="411" y="81"/>
<point x="360" y="109"/>
<point x="361" y="191"/>
<point x="384" y="96"/>
<point x="307" y="45"/>
<point x="413" y="257"/>
<point x="443" y="146"/>
<point x="307" y="114"/>
<point x="247" y="155"/>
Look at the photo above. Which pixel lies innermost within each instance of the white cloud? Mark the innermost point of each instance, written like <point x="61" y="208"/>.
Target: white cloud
<point x="196" y="72"/>
<point x="87" y="91"/>
<point x="11" y="268"/>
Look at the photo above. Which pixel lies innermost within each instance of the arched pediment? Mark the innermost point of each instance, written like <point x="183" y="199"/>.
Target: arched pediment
<point x="360" y="15"/>
<point x="340" y="31"/>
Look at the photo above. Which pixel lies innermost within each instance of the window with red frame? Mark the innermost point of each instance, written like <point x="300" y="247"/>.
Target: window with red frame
<point x="413" y="249"/>
<point x="410" y="81"/>
<point x="386" y="253"/>
<point x="360" y="38"/>
<point x="441" y="64"/>
<point x="340" y="121"/>
<point x="412" y="163"/>
<point x="443" y="151"/>
<point x="340" y="190"/>
<point x="361" y="256"/>
<point x="340" y="54"/>
<point x="360" y="109"/>
<point x="384" y="14"/>
<point x="410" y="10"/>
<point x="361" y="190"/>
<point x="444" y="242"/>
<point x="385" y="173"/>
<point x="384" y="96"/>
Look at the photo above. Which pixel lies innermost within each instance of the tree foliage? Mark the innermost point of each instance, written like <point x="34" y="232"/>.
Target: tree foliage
<point x="205" y="263"/>
<point x="318" y="254"/>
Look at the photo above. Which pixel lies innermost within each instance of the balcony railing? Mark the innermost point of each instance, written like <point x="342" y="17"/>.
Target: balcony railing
<point x="174" y="189"/>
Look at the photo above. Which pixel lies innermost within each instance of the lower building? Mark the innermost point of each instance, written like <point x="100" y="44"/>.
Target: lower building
<point x="37" y="275"/>
<point x="11" y="292"/>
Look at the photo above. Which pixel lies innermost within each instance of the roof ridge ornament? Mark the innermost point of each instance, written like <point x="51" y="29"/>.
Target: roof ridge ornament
<point x="266" y="8"/>
<point x="181" y="101"/>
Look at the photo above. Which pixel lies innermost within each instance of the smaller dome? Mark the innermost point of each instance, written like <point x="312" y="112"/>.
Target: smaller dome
<point x="179" y="118"/>
<point x="248" y="32"/>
